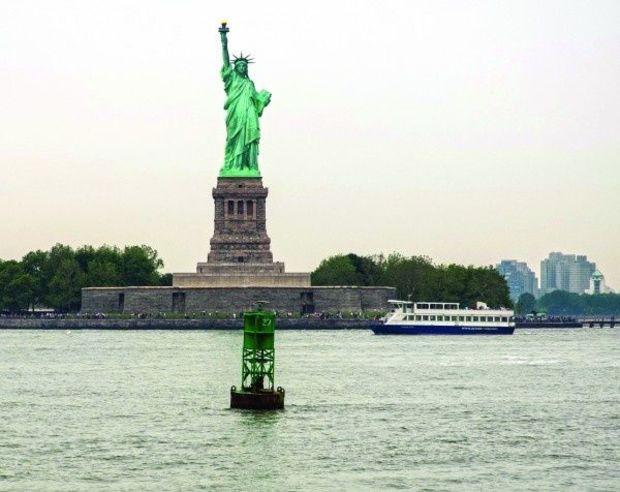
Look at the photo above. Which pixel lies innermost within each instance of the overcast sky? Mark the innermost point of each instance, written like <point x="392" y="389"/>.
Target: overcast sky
<point x="465" y="131"/>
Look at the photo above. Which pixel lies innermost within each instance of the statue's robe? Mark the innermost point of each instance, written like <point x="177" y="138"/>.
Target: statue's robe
<point x="244" y="106"/>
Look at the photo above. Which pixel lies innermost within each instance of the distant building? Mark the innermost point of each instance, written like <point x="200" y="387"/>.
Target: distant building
<point x="597" y="284"/>
<point x="519" y="277"/>
<point x="571" y="273"/>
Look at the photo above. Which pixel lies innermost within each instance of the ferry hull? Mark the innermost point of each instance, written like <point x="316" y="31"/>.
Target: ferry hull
<point x="395" y="329"/>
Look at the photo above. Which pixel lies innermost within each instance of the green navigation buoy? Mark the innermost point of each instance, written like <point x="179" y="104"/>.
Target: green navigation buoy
<point x="258" y="363"/>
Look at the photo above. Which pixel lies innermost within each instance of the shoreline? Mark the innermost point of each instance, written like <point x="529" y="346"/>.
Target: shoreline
<point x="177" y="324"/>
<point x="182" y="324"/>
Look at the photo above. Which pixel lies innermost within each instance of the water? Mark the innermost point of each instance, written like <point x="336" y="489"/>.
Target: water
<point x="92" y="410"/>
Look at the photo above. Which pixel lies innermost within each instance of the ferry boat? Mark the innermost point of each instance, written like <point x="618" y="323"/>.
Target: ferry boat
<point x="444" y="318"/>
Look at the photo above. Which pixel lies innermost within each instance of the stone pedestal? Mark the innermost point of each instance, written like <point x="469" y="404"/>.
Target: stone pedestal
<point x="240" y="234"/>
<point x="240" y="253"/>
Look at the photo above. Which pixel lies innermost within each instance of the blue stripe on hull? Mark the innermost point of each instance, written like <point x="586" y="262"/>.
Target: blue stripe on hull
<point x="441" y="330"/>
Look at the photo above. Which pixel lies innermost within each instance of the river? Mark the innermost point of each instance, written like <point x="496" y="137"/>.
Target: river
<point x="147" y="410"/>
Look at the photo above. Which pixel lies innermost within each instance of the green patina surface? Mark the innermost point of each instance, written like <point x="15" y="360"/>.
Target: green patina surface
<point x="258" y="357"/>
<point x="244" y="106"/>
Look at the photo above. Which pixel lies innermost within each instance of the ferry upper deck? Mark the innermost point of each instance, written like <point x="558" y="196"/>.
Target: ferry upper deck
<point x="451" y="312"/>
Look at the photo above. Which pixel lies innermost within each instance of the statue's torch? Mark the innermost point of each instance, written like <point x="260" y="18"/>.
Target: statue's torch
<point x="223" y="27"/>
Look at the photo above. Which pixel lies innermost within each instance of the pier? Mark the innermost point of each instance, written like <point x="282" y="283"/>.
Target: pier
<point x="598" y="321"/>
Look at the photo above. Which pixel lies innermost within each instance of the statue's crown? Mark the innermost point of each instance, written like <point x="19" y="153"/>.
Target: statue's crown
<point x="241" y="57"/>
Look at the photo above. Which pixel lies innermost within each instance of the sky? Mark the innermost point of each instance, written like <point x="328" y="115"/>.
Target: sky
<point x="467" y="131"/>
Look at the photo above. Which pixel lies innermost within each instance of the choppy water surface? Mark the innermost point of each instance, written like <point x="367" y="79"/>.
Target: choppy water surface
<point x="148" y="411"/>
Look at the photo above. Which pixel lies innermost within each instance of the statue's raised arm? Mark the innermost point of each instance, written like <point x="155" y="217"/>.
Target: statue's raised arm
<point x="225" y="56"/>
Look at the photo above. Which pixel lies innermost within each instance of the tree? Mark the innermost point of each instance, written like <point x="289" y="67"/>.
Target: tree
<point x="102" y="273"/>
<point x="335" y="270"/>
<point x="414" y="277"/>
<point x="489" y="286"/>
<point x="57" y="255"/>
<point x="562" y="303"/>
<point x="34" y="264"/>
<point x="65" y="286"/>
<point x="367" y="269"/>
<point x="85" y="255"/>
<point x="140" y="265"/>
<point x="165" y="279"/>
<point x="19" y="293"/>
<point x="55" y="278"/>
<point x="103" y="266"/>
<point x="16" y="287"/>
<point x="526" y="304"/>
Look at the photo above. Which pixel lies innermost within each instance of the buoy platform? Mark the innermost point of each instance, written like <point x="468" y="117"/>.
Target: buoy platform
<point x="260" y="400"/>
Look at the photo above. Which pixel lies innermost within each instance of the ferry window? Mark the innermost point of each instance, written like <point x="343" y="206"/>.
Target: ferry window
<point x="504" y="319"/>
<point x="454" y="318"/>
<point x="425" y="317"/>
<point x="461" y="318"/>
<point x="432" y="318"/>
<point x="467" y="318"/>
<point x="418" y="317"/>
<point x="422" y="306"/>
<point x="439" y="318"/>
<point x="497" y="318"/>
<point x="475" y="318"/>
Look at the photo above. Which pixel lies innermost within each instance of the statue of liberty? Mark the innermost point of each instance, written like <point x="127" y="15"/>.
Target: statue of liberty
<point x="244" y="106"/>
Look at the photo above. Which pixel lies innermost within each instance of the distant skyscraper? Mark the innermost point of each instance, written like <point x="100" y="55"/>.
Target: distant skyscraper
<point x="597" y="284"/>
<point x="565" y="272"/>
<point x="519" y="277"/>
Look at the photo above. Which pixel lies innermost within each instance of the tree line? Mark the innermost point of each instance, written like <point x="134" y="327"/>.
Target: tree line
<point x="54" y="278"/>
<point x="562" y="303"/>
<point x="416" y="278"/>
